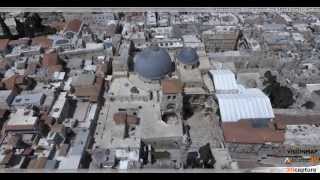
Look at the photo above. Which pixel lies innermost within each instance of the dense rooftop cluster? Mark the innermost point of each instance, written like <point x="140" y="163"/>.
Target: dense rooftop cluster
<point x="151" y="90"/>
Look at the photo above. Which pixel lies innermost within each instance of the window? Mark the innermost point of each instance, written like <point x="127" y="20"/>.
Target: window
<point x="171" y="106"/>
<point x="173" y="97"/>
<point x="169" y="97"/>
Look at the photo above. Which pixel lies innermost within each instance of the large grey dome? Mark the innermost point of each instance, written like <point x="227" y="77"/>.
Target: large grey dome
<point x="152" y="63"/>
<point x="188" y="55"/>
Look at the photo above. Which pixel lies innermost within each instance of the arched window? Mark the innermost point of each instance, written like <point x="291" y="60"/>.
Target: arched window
<point x="171" y="106"/>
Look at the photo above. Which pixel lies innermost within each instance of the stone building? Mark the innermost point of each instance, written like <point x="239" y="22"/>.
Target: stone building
<point x="216" y="40"/>
<point x="171" y="96"/>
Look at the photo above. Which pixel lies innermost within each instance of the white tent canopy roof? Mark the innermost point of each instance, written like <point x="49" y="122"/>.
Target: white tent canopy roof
<point x="223" y="80"/>
<point x="249" y="104"/>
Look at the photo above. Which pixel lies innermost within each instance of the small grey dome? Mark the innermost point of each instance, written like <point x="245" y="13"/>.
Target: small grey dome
<point x="188" y="55"/>
<point x="152" y="63"/>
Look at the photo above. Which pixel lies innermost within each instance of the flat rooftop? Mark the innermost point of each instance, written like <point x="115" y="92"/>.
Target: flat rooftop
<point x="134" y="78"/>
<point x="109" y="134"/>
<point x="123" y="86"/>
<point x="23" y="117"/>
<point x="190" y="75"/>
<point x="282" y="120"/>
<point x="153" y="126"/>
<point x="81" y="111"/>
<point x="243" y="132"/>
<point x="302" y="135"/>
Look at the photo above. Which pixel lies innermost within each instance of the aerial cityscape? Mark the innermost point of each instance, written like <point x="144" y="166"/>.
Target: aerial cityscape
<point x="150" y="91"/>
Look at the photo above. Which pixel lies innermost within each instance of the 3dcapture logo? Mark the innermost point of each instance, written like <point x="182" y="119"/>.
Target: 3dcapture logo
<point x="302" y="170"/>
<point x="312" y="156"/>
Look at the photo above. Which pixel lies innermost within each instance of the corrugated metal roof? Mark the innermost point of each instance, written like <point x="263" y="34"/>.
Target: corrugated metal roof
<point x="223" y="80"/>
<point x="250" y="104"/>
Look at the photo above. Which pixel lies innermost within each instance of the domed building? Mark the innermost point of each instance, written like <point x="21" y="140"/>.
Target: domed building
<point x="152" y="64"/>
<point x="187" y="58"/>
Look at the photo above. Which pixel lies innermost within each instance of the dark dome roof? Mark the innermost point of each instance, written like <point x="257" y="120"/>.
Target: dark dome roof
<point x="152" y="63"/>
<point x="188" y="55"/>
